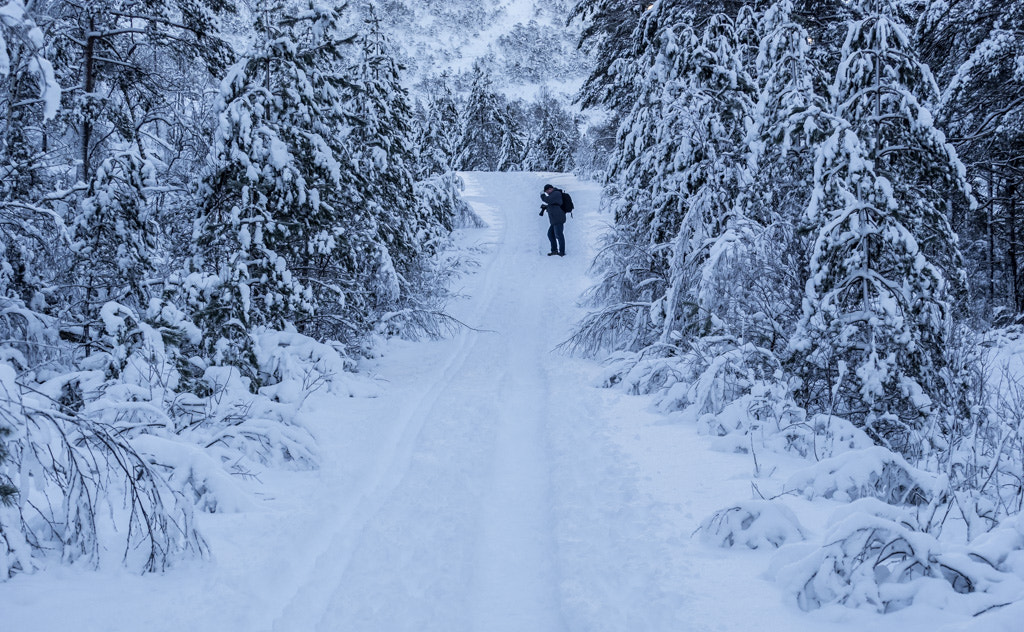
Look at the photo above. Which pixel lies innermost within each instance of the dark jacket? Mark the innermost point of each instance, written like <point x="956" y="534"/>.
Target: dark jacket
<point x="553" y="201"/>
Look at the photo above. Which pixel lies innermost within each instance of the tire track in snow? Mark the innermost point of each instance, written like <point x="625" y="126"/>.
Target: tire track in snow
<point x="515" y="584"/>
<point x="309" y="602"/>
<point x="465" y="541"/>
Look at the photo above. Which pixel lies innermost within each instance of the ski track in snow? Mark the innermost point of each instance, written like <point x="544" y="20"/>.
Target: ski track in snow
<point x="490" y="487"/>
<point x="452" y="527"/>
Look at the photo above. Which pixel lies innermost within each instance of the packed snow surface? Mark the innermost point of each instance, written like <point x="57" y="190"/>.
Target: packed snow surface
<point x="483" y="482"/>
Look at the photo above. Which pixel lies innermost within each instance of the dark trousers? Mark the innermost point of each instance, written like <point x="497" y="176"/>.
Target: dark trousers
<point x="556" y="235"/>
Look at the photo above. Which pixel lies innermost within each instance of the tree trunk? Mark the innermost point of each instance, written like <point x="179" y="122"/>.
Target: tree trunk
<point x="89" y="84"/>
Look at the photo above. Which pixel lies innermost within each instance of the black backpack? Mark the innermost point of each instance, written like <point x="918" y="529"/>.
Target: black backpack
<point x="567" y="204"/>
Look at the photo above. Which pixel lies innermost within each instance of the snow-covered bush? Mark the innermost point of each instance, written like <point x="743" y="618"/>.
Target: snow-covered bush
<point x="763" y="419"/>
<point x="753" y="523"/>
<point x="82" y="489"/>
<point x="874" y="562"/>
<point x="874" y="472"/>
<point x="194" y="449"/>
<point x="870" y="562"/>
<point x="28" y="337"/>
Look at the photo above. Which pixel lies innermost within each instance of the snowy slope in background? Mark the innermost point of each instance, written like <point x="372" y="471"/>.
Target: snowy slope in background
<point x="524" y="43"/>
<point x="481" y="483"/>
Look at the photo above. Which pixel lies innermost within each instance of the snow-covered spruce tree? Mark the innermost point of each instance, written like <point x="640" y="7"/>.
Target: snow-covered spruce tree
<point x="556" y="136"/>
<point x="481" y="124"/>
<point x="788" y="121"/>
<point x="273" y="193"/>
<point x="680" y="171"/>
<point x="112" y="241"/>
<point x="437" y="132"/>
<point x="437" y="135"/>
<point x="515" y="138"/>
<point x="708" y="108"/>
<point x="631" y="263"/>
<point x="610" y="33"/>
<point x="871" y="343"/>
<point x="395" y="288"/>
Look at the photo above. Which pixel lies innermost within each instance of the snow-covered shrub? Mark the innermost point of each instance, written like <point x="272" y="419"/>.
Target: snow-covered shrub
<point x="232" y="422"/>
<point x="763" y="419"/>
<point x="624" y="298"/>
<point x="982" y="453"/>
<point x="753" y="523"/>
<point x="82" y="489"/>
<point x="650" y="371"/>
<point x="874" y="472"/>
<point x="196" y="472"/>
<point x="876" y="563"/>
<point x="1002" y="547"/>
<point x="206" y="442"/>
<point x="727" y="372"/>
<point x="294" y="365"/>
<point x="739" y="394"/>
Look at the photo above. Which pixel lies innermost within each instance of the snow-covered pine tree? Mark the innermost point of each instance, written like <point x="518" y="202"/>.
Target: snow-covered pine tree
<point x="788" y="121"/>
<point x="407" y="233"/>
<point x="515" y="138"/>
<point x="274" y="190"/>
<point x="556" y="136"/>
<point x="610" y="31"/>
<point x="871" y="343"/>
<point x="682" y="164"/>
<point x="632" y="262"/>
<point x="112" y="241"/>
<point x="609" y="36"/>
<point x="481" y="124"/>
<point x="437" y="132"/>
<point x="437" y="136"/>
<point x="703" y="129"/>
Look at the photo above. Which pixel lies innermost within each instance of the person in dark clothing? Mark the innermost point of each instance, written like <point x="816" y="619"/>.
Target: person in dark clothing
<point x="552" y="198"/>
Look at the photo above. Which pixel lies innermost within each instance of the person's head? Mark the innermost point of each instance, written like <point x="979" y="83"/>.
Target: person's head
<point x="548" y="188"/>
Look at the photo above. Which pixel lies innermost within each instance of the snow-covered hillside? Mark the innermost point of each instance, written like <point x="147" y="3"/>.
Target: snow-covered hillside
<point x="525" y="43"/>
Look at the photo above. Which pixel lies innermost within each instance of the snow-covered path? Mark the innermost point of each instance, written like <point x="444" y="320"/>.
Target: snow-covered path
<point x="489" y="486"/>
<point x="452" y="528"/>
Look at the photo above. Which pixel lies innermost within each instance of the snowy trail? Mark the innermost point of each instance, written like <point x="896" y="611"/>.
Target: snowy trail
<point x="471" y="454"/>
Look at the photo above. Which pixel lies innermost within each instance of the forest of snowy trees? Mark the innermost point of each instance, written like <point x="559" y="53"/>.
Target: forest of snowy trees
<point x="209" y="209"/>
<point x="816" y="246"/>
